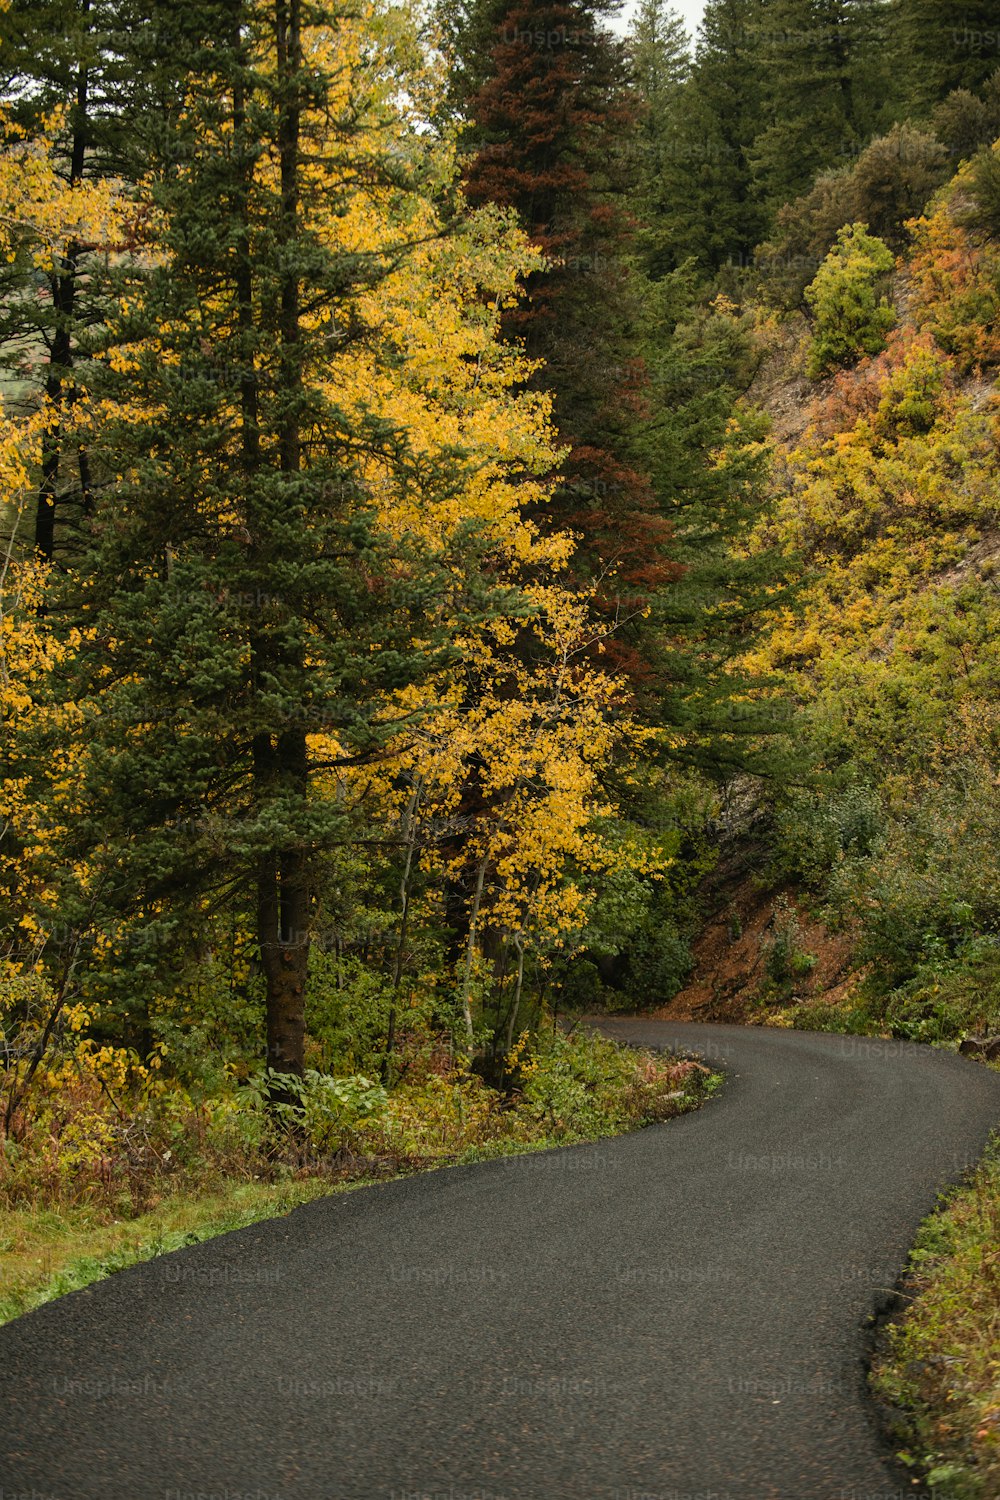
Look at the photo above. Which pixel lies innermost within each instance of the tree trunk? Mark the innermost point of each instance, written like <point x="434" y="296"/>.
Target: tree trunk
<point x="470" y="949"/>
<point x="284" y="894"/>
<point x="58" y="387"/>
<point x="280" y="758"/>
<point x="283" y="935"/>
<point x="518" y="989"/>
<point x="410" y="824"/>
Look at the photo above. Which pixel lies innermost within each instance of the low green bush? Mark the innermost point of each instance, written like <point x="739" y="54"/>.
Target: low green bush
<point x="852" y="313"/>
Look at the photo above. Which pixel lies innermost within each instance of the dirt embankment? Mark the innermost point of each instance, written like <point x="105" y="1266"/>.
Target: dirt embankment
<point x="760" y="951"/>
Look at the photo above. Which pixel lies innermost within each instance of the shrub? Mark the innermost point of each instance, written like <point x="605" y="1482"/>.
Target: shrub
<point x="804" y="232"/>
<point x="580" y="1086"/>
<point x="634" y="950"/>
<point x="936" y="1370"/>
<point x="816" y="829"/>
<point x="984" y="215"/>
<point x="327" y="1112"/>
<point x="891" y="181"/>
<point x="953" y="272"/>
<point x="895" y="177"/>
<point x="853" y="317"/>
<point x="932" y="886"/>
<point x="786" y="961"/>
<point x="948" y="998"/>
<point x="963" y="122"/>
<point x="911" y="395"/>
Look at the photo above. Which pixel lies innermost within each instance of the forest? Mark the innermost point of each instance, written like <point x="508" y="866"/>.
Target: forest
<point x="489" y="490"/>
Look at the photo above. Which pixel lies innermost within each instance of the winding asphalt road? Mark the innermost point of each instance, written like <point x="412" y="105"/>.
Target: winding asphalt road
<point x="675" y="1315"/>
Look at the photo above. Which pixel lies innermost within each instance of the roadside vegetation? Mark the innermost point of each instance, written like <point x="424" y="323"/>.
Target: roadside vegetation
<point x="119" y="1168"/>
<point x="937" y="1372"/>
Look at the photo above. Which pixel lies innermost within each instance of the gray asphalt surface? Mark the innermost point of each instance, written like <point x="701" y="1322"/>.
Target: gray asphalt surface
<point x="675" y="1315"/>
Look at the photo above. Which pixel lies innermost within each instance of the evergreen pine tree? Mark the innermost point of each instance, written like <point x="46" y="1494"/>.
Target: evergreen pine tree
<point x="710" y="467"/>
<point x="551" y="128"/>
<point x="660" y="53"/>
<point x="245" y="619"/>
<point x="940" y="45"/>
<point x="806" y="60"/>
<point x="719" y="217"/>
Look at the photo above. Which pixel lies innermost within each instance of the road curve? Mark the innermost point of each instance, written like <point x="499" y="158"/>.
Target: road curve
<point x="675" y="1314"/>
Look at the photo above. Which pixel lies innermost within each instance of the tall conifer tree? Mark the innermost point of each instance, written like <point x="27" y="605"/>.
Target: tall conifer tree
<point x="551" y="130"/>
<point x="722" y="112"/>
<point x="236" y="594"/>
<point x="660" y="54"/>
<point x="941" y="45"/>
<point x="806" y="59"/>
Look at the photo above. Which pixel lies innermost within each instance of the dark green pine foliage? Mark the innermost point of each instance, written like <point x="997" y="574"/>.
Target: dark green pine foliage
<point x="698" y="361"/>
<point x="660" y="52"/>
<point x="238" y="599"/>
<point x="660" y="55"/>
<point x="874" y="72"/>
<point x="814" y="116"/>
<point x="708" y="459"/>
<point x="941" y="45"/>
<point x="780" y="90"/>
<point x="714" y="214"/>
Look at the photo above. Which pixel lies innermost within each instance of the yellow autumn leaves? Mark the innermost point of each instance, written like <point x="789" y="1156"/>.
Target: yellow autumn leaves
<point x="529" y="714"/>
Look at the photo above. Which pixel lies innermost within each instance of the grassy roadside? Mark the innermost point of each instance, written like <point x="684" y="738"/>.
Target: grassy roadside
<point x="49" y="1251"/>
<point x="937" y="1371"/>
<point x="46" y="1253"/>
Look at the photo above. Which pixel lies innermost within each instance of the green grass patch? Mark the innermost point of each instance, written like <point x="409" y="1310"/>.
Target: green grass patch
<point x="44" y="1254"/>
